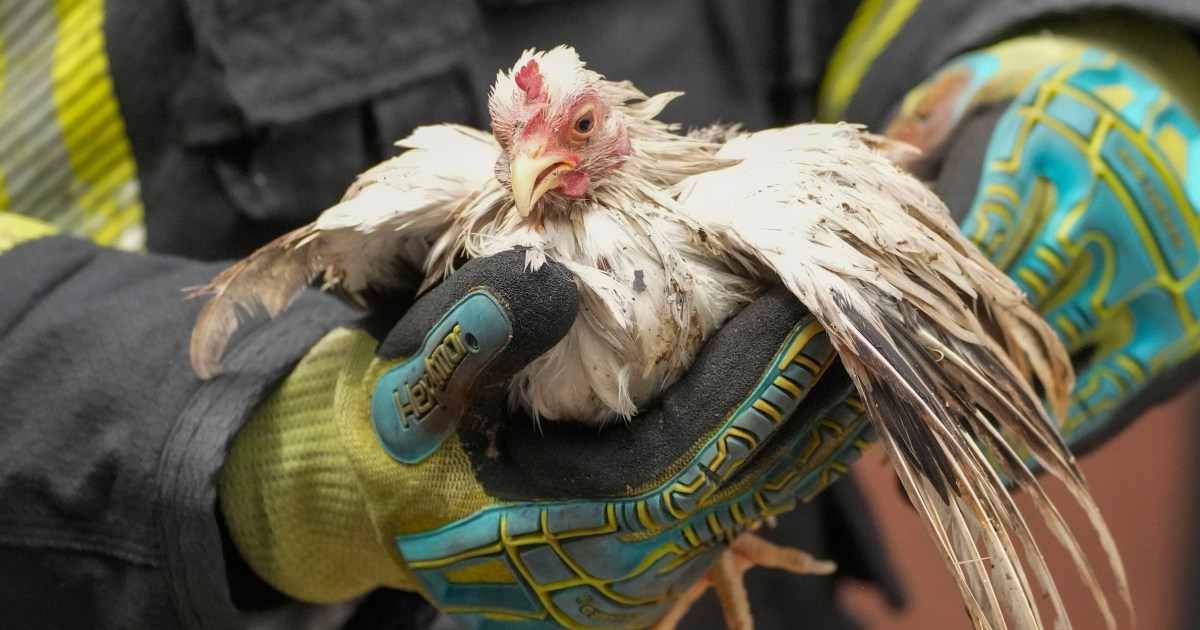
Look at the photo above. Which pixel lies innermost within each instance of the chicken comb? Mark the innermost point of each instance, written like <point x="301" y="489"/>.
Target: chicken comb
<point x="529" y="80"/>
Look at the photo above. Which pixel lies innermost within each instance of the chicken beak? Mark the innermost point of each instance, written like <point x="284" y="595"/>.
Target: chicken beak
<point x="534" y="173"/>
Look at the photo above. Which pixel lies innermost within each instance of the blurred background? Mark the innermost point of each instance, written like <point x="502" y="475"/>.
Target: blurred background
<point x="1144" y="481"/>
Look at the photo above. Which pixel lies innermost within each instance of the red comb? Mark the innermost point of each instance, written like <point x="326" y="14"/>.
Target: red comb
<point x="529" y="79"/>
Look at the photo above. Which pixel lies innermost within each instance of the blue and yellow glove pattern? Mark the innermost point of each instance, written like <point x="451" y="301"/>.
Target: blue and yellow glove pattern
<point x="408" y="470"/>
<point x="1087" y="196"/>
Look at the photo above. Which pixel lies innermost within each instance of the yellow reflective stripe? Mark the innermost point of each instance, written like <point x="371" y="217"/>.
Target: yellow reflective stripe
<point x="64" y="155"/>
<point x="874" y="25"/>
<point x="92" y="129"/>
<point x="16" y="229"/>
<point x="3" y="70"/>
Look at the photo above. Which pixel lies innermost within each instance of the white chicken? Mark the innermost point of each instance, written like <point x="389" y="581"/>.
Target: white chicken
<point x="668" y="235"/>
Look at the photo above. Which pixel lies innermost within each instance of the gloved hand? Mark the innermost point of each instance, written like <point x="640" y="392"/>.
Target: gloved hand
<point x="1074" y="168"/>
<point x="404" y="467"/>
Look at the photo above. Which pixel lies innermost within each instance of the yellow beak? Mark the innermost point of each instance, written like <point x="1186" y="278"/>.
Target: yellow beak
<point x="534" y="173"/>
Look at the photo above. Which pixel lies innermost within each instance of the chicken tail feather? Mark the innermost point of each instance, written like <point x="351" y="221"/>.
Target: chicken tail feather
<point x="959" y="419"/>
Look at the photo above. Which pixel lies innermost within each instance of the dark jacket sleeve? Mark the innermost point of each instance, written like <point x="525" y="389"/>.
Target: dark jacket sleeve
<point x="110" y="445"/>
<point x="936" y="32"/>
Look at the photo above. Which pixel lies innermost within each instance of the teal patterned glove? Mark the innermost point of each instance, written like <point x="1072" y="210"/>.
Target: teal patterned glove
<point x="1088" y="198"/>
<point x="765" y="416"/>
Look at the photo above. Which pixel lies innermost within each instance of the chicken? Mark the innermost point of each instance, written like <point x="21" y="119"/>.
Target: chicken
<point x="668" y="235"/>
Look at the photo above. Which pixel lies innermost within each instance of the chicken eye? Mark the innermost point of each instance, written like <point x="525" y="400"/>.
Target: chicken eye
<point x="584" y="125"/>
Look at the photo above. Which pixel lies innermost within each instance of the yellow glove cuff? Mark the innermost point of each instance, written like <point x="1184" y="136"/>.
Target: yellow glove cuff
<point x="312" y="500"/>
<point x="291" y="499"/>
